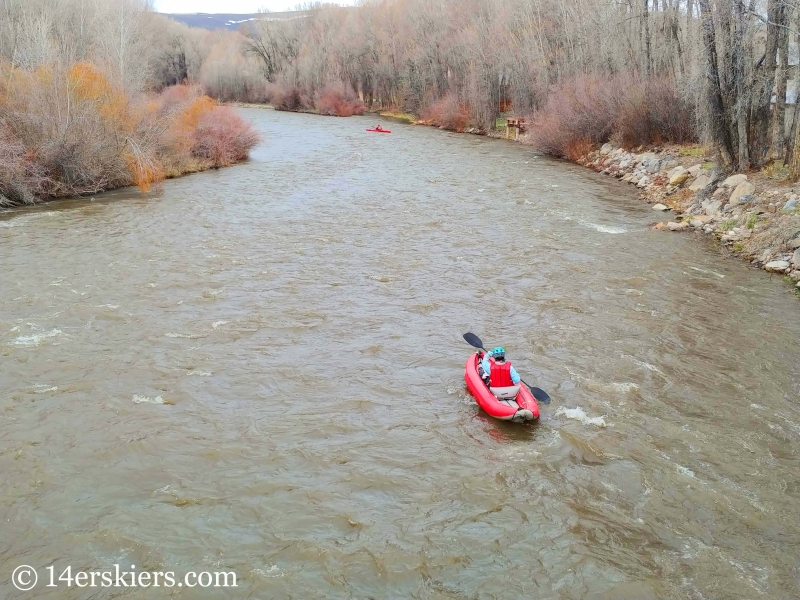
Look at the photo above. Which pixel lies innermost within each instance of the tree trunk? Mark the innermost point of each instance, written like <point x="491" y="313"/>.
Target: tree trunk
<point x="719" y="121"/>
<point x="766" y="83"/>
<point x="741" y="96"/>
<point x="794" y="171"/>
<point x="646" y="23"/>
<point x="779" y="118"/>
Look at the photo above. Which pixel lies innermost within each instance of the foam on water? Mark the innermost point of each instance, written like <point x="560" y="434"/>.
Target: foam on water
<point x="643" y="364"/>
<point x="578" y="414"/>
<point x="625" y="387"/>
<point x="604" y="228"/>
<point x="41" y="388"/>
<point x="147" y="400"/>
<point x="188" y="336"/>
<point x="714" y="273"/>
<point x="33" y="340"/>
<point x="217" y="324"/>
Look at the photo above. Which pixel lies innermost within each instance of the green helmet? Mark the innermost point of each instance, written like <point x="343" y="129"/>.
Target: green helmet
<point x="498" y="353"/>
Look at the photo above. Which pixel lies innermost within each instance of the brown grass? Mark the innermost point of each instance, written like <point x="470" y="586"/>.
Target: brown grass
<point x="774" y="232"/>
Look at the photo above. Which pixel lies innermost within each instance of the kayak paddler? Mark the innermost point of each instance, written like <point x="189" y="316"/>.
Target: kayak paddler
<point x="496" y="371"/>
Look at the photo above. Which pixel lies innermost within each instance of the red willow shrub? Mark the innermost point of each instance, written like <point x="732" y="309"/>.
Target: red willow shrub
<point x="586" y="111"/>
<point x="447" y="113"/>
<point x="222" y="137"/>
<point x="339" y="101"/>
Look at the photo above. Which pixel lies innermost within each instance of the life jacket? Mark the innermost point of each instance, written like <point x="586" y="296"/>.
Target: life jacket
<point x="500" y="375"/>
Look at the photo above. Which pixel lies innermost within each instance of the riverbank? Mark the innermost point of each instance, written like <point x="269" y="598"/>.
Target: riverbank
<point x="755" y="216"/>
<point x="110" y="138"/>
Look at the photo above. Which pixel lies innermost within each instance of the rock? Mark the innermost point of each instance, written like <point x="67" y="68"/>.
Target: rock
<point x="642" y="182"/>
<point x="795" y="275"/>
<point x="700" y="183"/>
<point x="798" y="285"/>
<point x="628" y="177"/>
<point x="708" y="229"/>
<point x="746" y="199"/>
<point x="653" y="166"/>
<point x="777" y="266"/>
<point x="673" y="226"/>
<point x="658" y="226"/>
<point x="711" y="206"/>
<point x="679" y="178"/>
<point x="743" y="189"/>
<point x="791" y="204"/>
<point x="716" y="175"/>
<point x="734" y="180"/>
<point x="694" y="170"/>
<point x="699" y="221"/>
<point x="796" y="259"/>
<point x="606" y="149"/>
<point x="721" y="194"/>
<point x="661" y="207"/>
<point x="794" y="243"/>
<point x="668" y="164"/>
<point x="675" y="171"/>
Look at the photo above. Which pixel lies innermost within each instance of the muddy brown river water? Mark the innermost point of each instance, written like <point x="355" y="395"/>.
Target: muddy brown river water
<point x="260" y="370"/>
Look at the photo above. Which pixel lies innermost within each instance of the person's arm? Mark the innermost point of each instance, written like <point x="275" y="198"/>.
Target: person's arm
<point x="515" y="378"/>
<point x="485" y="364"/>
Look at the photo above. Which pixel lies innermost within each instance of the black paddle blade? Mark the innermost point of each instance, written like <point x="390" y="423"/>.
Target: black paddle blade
<point x="473" y="340"/>
<point x="540" y="395"/>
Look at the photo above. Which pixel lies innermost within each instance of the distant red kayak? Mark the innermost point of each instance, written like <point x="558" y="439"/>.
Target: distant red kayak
<point x="378" y="130"/>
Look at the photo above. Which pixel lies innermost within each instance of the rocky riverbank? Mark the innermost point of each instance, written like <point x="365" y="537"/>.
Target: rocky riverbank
<point x="755" y="216"/>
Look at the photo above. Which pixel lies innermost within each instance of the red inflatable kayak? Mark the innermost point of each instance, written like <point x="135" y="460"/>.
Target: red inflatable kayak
<point x="378" y="130"/>
<point x="519" y="409"/>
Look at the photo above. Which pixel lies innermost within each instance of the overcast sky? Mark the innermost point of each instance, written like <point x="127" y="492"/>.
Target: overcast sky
<point x="228" y="6"/>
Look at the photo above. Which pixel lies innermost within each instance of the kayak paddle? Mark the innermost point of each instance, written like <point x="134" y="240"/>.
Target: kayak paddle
<point x="540" y="395"/>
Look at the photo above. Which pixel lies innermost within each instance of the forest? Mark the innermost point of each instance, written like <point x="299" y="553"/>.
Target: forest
<point x="636" y="72"/>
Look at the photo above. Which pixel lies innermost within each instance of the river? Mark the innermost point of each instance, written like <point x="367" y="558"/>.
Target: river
<point x="260" y="370"/>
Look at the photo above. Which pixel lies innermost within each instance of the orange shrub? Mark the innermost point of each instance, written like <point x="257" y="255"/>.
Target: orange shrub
<point x="194" y="112"/>
<point x="448" y="113"/>
<point x="222" y="137"/>
<point x="578" y="148"/>
<point x="338" y="101"/>
<point x="87" y="82"/>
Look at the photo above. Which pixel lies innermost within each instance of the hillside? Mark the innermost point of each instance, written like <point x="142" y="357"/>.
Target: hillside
<point x="229" y="21"/>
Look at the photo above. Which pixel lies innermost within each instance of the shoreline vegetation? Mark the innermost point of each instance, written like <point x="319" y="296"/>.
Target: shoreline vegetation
<point x="73" y="134"/>
<point x="89" y="102"/>
<point x="97" y="94"/>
